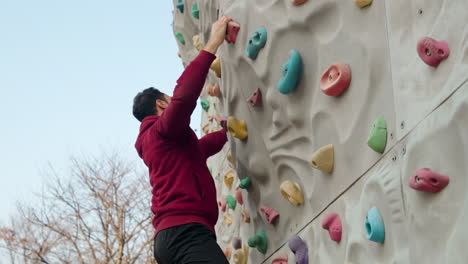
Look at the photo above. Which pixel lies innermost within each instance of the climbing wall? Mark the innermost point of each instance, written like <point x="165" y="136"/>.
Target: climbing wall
<point x="348" y="123"/>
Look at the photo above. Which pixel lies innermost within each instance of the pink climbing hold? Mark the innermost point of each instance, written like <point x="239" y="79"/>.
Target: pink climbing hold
<point x="280" y="258"/>
<point x="428" y="181"/>
<point x="222" y="203"/>
<point x="336" y="79"/>
<point x="432" y="52"/>
<point x="238" y="196"/>
<point x="231" y="32"/>
<point x="332" y="223"/>
<point x="270" y="214"/>
<point x="256" y="98"/>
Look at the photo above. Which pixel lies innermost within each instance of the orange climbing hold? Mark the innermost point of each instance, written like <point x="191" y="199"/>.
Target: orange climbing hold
<point x="298" y="2"/>
<point x="227" y="252"/>
<point x="214" y="90"/>
<point x="245" y="215"/>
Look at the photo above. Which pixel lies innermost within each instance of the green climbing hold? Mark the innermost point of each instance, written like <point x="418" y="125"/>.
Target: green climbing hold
<point x="377" y="139"/>
<point x="180" y="37"/>
<point x="231" y="201"/>
<point x="195" y="11"/>
<point x="180" y="6"/>
<point x="205" y="104"/>
<point x="259" y="241"/>
<point x="245" y="183"/>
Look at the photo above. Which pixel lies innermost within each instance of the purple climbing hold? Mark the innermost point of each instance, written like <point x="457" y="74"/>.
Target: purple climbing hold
<point x="223" y="122"/>
<point x="256" y="98"/>
<point x="236" y="243"/>
<point x="299" y="248"/>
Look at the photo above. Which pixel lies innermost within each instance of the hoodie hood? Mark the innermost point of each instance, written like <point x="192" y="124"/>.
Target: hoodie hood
<point x="145" y="125"/>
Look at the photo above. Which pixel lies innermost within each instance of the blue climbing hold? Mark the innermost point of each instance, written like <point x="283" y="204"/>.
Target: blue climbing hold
<point x="292" y="72"/>
<point x="195" y="11"/>
<point x="375" y="229"/>
<point x="180" y="6"/>
<point x="256" y="42"/>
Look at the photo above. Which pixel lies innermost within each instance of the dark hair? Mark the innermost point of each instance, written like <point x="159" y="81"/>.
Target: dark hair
<point x="144" y="103"/>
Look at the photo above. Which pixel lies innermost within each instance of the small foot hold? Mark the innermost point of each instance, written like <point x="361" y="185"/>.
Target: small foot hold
<point x="180" y="6"/>
<point x="362" y="3"/>
<point x="241" y="255"/>
<point x="298" y="2"/>
<point x="256" y="42"/>
<point x="214" y="90"/>
<point x="323" y="159"/>
<point x="377" y="139"/>
<point x="336" y="79"/>
<point x="227" y="219"/>
<point x="375" y="229"/>
<point x="222" y="203"/>
<point x="229" y="178"/>
<point x="432" y="52"/>
<point x="230" y="158"/>
<point x="270" y="214"/>
<point x="216" y="66"/>
<point x="237" y="128"/>
<point x="180" y="38"/>
<point x="332" y="223"/>
<point x="238" y="195"/>
<point x="245" y="215"/>
<point x="245" y="183"/>
<point x="231" y="201"/>
<point x="197" y="42"/>
<point x="195" y="11"/>
<point x="236" y="243"/>
<point x="259" y="241"/>
<point x="426" y="180"/>
<point x="292" y="72"/>
<point x="231" y="32"/>
<point x="299" y="248"/>
<point x="205" y="104"/>
<point x="280" y="258"/>
<point x="256" y="98"/>
<point x="292" y="192"/>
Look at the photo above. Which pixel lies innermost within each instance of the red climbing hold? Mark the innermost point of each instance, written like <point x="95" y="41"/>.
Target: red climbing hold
<point x="223" y="122"/>
<point x="335" y="80"/>
<point x="428" y="181"/>
<point x="222" y="203"/>
<point x="231" y="32"/>
<point x="332" y="223"/>
<point x="238" y="196"/>
<point x="256" y="98"/>
<point x="432" y="52"/>
<point x="270" y="214"/>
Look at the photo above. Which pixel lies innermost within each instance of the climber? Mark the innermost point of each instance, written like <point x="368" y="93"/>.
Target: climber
<point x="183" y="191"/>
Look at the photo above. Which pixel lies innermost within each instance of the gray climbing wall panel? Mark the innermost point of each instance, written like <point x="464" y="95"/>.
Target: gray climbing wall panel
<point x="425" y="109"/>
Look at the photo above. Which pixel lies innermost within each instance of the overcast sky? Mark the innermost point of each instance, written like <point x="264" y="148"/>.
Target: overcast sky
<point x="68" y="73"/>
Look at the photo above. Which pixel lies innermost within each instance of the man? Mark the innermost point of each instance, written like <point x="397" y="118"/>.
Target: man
<point x="184" y="194"/>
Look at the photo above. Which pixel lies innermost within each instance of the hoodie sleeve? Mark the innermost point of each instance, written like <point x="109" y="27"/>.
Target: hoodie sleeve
<point x="176" y="117"/>
<point x="212" y="143"/>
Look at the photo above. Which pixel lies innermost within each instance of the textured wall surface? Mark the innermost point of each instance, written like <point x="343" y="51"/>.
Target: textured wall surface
<point x="426" y="109"/>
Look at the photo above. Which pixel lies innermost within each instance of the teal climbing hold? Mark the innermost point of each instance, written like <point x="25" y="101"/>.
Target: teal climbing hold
<point x="205" y="104"/>
<point x="259" y="241"/>
<point x="245" y="183"/>
<point x="292" y="72"/>
<point x="180" y="6"/>
<point x="256" y="42"/>
<point x="377" y="139"/>
<point x="195" y="11"/>
<point x="180" y="37"/>
<point x="231" y="202"/>
<point x="375" y="229"/>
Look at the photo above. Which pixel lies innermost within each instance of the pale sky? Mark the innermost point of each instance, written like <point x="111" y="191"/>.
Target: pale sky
<point x="68" y="73"/>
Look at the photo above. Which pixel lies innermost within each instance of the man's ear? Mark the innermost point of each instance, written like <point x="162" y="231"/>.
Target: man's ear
<point x="161" y="105"/>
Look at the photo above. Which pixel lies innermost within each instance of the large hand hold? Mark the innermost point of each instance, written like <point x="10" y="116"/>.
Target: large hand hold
<point x="216" y="66"/>
<point x="195" y="11"/>
<point x="270" y="214"/>
<point x="280" y="258"/>
<point x="323" y="159"/>
<point x="231" y="32"/>
<point x="256" y="42"/>
<point x="241" y="255"/>
<point x="298" y="246"/>
<point x="426" y="180"/>
<point x="292" y="73"/>
<point x="259" y="241"/>
<point x="362" y="3"/>
<point x="332" y="223"/>
<point x="292" y="192"/>
<point x="245" y="183"/>
<point x="377" y="139"/>
<point x="375" y="229"/>
<point x="336" y="79"/>
<point x="432" y="52"/>
<point x="229" y="178"/>
<point x="231" y="201"/>
<point x="237" y="128"/>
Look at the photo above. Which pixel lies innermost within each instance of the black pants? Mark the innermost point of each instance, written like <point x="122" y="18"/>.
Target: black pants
<point x="188" y="244"/>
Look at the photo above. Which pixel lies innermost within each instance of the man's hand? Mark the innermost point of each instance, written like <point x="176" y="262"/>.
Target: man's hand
<point x="218" y="33"/>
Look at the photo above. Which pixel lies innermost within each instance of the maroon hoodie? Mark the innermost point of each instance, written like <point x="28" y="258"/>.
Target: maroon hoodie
<point x="182" y="186"/>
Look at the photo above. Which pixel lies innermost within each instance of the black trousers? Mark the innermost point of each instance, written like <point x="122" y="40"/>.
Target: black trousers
<point x="188" y="244"/>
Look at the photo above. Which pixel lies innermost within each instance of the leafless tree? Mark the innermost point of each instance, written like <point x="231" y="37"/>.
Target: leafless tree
<point x="99" y="213"/>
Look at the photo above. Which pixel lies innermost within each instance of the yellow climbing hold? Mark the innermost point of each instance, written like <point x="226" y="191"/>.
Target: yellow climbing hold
<point x="292" y="192"/>
<point x="216" y="66"/>
<point x="237" y="128"/>
<point x="229" y="178"/>
<point x="362" y="3"/>
<point x="227" y="219"/>
<point x="241" y="255"/>
<point x="231" y="160"/>
<point x="197" y="43"/>
<point x="323" y="159"/>
<point x="178" y="54"/>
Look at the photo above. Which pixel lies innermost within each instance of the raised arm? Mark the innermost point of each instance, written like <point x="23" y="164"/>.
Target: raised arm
<point x="176" y="117"/>
<point x="212" y="143"/>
